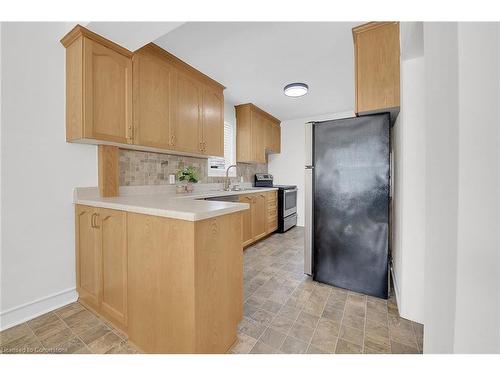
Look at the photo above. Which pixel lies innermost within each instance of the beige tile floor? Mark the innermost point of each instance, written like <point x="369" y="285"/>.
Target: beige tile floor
<point x="284" y="312"/>
<point x="70" y="329"/>
<point x="287" y="312"/>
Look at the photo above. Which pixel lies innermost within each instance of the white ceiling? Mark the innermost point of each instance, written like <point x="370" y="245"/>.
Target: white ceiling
<point x="132" y="35"/>
<point x="255" y="60"/>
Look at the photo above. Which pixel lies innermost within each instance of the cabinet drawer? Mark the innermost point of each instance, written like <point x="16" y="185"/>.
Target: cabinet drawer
<point x="272" y="207"/>
<point x="272" y="195"/>
<point x="272" y="203"/>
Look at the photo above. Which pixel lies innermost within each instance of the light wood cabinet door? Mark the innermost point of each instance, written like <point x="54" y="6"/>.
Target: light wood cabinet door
<point x="187" y="127"/>
<point x="153" y="91"/>
<point x="246" y="221"/>
<point x="268" y="135"/>
<point x="259" y="216"/>
<point x="376" y="47"/>
<point x="107" y="90"/>
<point x="87" y="256"/>
<point x="258" y="134"/>
<point x="243" y="134"/>
<point x="213" y="123"/>
<point x="112" y="246"/>
<point x="272" y="211"/>
<point x="218" y="282"/>
<point x="276" y="130"/>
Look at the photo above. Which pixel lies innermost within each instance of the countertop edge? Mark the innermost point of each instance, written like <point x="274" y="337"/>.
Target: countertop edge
<point x="171" y="214"/>
<point x="178" y="213"/>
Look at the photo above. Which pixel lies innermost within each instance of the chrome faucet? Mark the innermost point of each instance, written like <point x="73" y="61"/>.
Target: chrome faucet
<point x="227" y="182"/>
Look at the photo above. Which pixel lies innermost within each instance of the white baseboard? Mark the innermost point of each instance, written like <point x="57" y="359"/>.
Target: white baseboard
<point x="30" y="310"/>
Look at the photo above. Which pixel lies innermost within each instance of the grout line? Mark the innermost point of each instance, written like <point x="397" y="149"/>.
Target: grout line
<point x="317" y="323"/>
<point x="364" y="322"/>
<point x="389" y="328"/>
<point x="297" y="318"/>
<point x="341" y="321"/>
<point x="277" y="313"/>
<point x="281" y="308"/>
<point x="71" y="329"/>
<point x="36" y="336"/>
<point x="420" y="350"/>
<point x="364" y="326"/>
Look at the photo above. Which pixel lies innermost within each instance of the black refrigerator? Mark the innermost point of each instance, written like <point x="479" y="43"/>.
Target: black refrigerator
<point x="350" y="203"/>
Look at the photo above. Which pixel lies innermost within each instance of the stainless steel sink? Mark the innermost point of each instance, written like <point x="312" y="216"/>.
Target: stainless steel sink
<point x="225" y="198"/>
<point x="238" y="189"/>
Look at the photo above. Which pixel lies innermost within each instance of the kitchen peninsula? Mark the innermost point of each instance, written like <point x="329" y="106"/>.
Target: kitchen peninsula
<point x="164" y="268"/>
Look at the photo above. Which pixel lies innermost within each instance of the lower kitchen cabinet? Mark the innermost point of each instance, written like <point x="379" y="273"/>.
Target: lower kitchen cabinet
<point x="246" y="221"/>
<point x="261" y="219"/>
<point x="172" y="286"/>
<point x="185" y="283"/>
<point x="272" y="211"/>
<point x="101" y="262"/>
<point x="259" y="216"/>
<point x="87" y="257"/>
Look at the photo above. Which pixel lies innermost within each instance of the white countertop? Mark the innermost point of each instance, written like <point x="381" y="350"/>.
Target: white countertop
<point x="163" y="201"/>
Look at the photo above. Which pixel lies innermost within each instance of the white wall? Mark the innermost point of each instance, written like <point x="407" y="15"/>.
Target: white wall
<point x="287" y="167"/>
<point x="477" y="295"/>
<point x="441" y="80"/>
<point x="38" y="173"/>
<point x="409" y="192"/>
<point x="462" y="264"/>
<point x="1" y="25"/>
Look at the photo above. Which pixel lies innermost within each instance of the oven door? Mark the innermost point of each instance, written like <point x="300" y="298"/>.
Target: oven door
<point x="289" y="222"/>
<point x="289" y="202"/>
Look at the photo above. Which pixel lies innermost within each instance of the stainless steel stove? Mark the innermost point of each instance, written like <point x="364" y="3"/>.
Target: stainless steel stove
<point x="287" y="201"/>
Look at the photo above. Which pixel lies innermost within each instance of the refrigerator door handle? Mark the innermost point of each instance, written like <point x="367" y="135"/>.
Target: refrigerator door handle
<point x="308" y="238"/>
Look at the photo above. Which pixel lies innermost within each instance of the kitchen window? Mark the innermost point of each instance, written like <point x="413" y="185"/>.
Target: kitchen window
<point x="217" y="166"/>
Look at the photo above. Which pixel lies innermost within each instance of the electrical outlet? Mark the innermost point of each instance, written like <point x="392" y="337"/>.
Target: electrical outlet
<point x="171" y="179"/>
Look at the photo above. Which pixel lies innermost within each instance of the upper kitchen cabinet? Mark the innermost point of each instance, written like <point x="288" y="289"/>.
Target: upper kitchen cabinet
<point x="275" y="143"/>
<point x="376" y="55"/>
<point x="195" y="109"/>
<point x="187" y="130"/>
<point x="199" y="111"/>
<point x="147" y="100"/>
<point x="98" y="88"/>
<point x="257" y="133"/>
<point x="213" y="122"/>
<point x="154" y="99"/>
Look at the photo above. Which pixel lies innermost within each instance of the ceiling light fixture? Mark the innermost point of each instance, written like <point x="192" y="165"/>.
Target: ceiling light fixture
<point x="296" y="89"/>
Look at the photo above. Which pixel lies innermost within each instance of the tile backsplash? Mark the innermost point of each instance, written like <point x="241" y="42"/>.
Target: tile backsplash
<point x="147" y="168"/>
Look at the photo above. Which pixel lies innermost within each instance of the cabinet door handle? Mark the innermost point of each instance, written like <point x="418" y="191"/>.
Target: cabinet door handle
<point x="172" y="140"/>
<point x="96" y="225"/>
<point x="92" y="221"/>
<point x="204" y="146"/>
<point x="130" y="133"/>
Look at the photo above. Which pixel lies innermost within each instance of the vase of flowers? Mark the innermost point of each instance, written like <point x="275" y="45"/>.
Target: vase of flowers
<point x="189" y="176"/>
